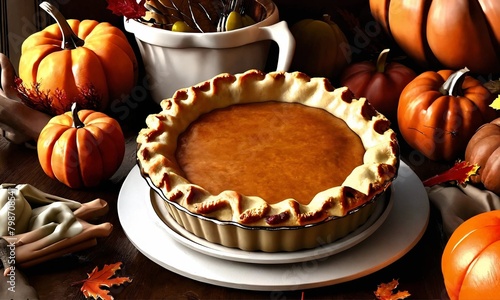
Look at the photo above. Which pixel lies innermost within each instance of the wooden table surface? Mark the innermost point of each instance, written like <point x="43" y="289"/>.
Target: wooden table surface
<point x="418" y="271"/>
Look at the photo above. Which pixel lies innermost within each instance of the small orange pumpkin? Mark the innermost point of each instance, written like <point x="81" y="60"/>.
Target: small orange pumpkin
<point x="380" y="82"/>
<point x="81" y="148"/>
<point x="92" y="71"/>
<point x="471" y="258"/>
<point x="438" y="112"/>
<point x="483" y="149"/>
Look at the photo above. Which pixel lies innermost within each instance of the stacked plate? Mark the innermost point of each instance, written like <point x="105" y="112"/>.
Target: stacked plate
<point x="395" y="226"/>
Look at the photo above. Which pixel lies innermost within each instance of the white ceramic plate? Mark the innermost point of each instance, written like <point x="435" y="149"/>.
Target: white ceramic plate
<point x="181" y="235"/>
<point x="402" y="229"/>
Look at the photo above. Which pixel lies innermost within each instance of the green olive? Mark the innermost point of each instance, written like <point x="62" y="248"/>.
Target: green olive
<point x="181" y="26"/>
<point x="234" y="21"/>
<point x="247" y="20"/>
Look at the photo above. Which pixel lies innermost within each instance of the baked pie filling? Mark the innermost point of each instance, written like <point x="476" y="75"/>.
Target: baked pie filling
<point x="284" y="147"/>
<point x="268" y="149"/>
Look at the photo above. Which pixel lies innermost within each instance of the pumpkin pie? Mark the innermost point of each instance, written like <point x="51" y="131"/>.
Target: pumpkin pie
<point x="267" y="152"/>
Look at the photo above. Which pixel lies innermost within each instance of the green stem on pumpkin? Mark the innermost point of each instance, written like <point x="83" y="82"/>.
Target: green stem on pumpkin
<point x="77" y="123"/>
<point x="69" y="39"/>
<point x="453" y="85"/>
<point x="381" y="60"/>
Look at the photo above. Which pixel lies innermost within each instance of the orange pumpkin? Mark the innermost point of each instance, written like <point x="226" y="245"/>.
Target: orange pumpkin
<point x="81" y="148"/>
<point x="101" y="68"/>
<point x="471" y="258"/>
<point x="380" y="82"/>
<point x="483" y="149"/>
<point x="439" y="112"/>
<point x="444" y="33"/>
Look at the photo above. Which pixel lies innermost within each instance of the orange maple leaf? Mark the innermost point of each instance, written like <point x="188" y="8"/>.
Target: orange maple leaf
<point x="92" y="286"/>
<point x="384" y="291"/>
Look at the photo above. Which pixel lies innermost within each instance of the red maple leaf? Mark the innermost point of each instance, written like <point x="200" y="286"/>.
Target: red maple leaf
<point x="92" y="286"/>
<point x="385" y="291"/>
<point x="459" y="173"/>
<point x="130" y="9"/>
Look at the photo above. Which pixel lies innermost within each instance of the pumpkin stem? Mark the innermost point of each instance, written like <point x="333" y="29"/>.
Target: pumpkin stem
<point x="77" y="123"/>
<point x="381" y="60"/>
<point x="453" y="85"/>
<point x="69" y="39"/>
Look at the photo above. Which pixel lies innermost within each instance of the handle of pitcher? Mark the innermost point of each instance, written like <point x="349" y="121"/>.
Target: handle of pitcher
<point x="280" y="33"/>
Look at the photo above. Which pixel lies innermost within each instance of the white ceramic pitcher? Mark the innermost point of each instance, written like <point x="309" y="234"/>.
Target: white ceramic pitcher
<point x="175" y="60"/>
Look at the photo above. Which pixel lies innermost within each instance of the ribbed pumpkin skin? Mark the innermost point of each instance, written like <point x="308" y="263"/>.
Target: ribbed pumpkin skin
<point x="380" y="85"/>
<point x="483" y="149"/>
<point x="444" y="33"/>
<point x="321" y="48"/>
<point x="437" y="125"/>
<point x="105" y="65"/>
<point x="81" y="157"/>
<point x="471" y="259"/>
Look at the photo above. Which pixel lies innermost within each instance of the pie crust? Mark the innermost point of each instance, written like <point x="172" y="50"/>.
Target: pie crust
<point x="157" y="146"/>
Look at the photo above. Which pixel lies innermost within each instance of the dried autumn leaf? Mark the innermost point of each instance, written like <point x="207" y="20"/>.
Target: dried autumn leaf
<point x="92" y="286"/>
<point x="493" y="86"/>
<point x="130" y="9"/>
<point x="496" y="103"/>
<point x="385" y="291"/>
<point x="459" y="173"/>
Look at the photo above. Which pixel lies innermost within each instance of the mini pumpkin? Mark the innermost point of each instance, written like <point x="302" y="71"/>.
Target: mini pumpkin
<point x="87" y="62"/>
<point x="321" y="48"/>
<point x="471" y="258"/>
<point x="380" y="82"/>
<point x="439" y="112"/>
<point x="483" y="149"/>
<point x="81" y="148"/>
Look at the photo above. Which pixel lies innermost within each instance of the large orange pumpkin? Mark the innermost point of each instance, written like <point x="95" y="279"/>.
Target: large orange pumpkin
<point x="104" y="68"/>
<point x="81" y="148"/>
<point x="471" y="258"/>
<point x="449" y="32"/>
<point x="438" y="112"/>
